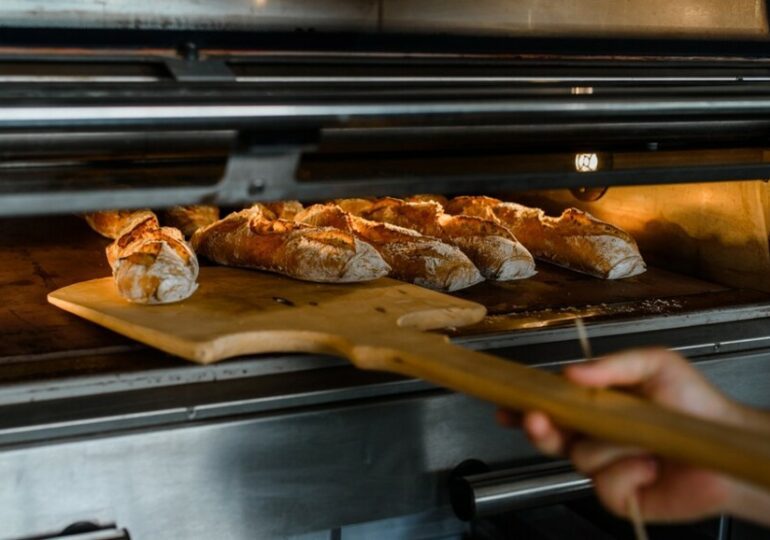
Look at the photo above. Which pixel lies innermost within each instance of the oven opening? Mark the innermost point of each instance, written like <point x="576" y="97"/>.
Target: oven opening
<point x="705" y="246"/>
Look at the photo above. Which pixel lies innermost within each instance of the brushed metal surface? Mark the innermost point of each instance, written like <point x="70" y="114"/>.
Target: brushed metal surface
<point x="686" y="17"/>
<point x="287" y="472"/>
<point x="191" y="14"/>
<point x="496" y="493"/>
<point x="699" y="17"/>
<point x="278" y="166"/>
<point x="260" y="477"/>
<point x="55" y="114"/>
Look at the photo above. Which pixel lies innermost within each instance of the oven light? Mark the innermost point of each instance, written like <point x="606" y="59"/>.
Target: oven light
<point x="586" y="162"/>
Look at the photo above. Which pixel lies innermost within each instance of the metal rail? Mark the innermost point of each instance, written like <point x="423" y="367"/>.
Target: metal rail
<point x="197" y="115"/>
<point x="491" y="493"/>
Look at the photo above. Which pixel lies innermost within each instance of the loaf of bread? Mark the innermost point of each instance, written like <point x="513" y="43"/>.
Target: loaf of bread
<point x="153" y="264"/>
<point x="112" y="223"/>
<point x="189" y="219"/>
<point x="488" y="244"/>
<point x="575" y="240"/>
<point x="251" y="238"/>
<point x="415" y="258"/>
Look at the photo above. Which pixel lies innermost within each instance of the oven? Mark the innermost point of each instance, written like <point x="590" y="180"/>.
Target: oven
<point x="653" y="116"/>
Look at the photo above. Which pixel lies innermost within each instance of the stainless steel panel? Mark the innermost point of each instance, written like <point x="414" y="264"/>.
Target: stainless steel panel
<point x="432" y="525"/>
<point x="191" y="14"/>
<point x="255" y="478"/>
<point x="286" y="472"/>
<point x="159" y="414"/>
<point x="745" y="378"/>
<point x="702" y="17"/>
<point x="709" y="17"/>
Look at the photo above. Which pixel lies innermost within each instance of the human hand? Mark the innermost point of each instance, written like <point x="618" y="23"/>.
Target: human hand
<point x="666" y="490"/>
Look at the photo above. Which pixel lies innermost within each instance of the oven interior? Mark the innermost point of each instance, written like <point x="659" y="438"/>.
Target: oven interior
<point x="706" y="246"/>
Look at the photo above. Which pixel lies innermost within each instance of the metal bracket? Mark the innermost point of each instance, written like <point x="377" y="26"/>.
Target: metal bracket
<point x="261" y="173"/>
<point x="199" y="70"/>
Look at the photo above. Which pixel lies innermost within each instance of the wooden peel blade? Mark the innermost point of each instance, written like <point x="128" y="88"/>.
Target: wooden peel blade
<point x="237" y="312"/>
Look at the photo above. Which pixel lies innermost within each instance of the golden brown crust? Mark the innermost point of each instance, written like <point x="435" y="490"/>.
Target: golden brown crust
<point x="481" y="206"/>
<point x="189" y="219"/>
<point x="152" y="264"/>
<point x="574" y="221"/>
<point x="354" y="206"/>
<point x="488" y="244"/>
<point x="423" y="217"/>
<point x="112" y="223"/>
<point x="283" y="209"/>
<point x="575" y="240"/>
<point x="413" y="257"/>
<point x="252" y="239"/>
<point x="147" y="238"/>
<point x="425" y="197"/>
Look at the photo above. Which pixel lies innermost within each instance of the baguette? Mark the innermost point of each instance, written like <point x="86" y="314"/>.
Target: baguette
<point x="112" y="223"/>
<point x="153" y="264"/>
<point x="252" y="239"/>
<point x="575" y="240"/>
<point x="488" y="244"/>
<point x="189" y="219"/>
<point x="415" y="258"/>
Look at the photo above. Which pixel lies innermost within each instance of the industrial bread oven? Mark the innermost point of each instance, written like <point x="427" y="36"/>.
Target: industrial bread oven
<point x="121" y="105"/>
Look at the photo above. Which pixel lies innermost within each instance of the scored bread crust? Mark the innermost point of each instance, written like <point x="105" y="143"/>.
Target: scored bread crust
<point x="415" y="258"/>
<point x="252" y="239"/>
<point x="189" y="219"/>
<point x="112" y="223"/>
<point x="356" y="206"/>
<point x="488" y="244"/>
<point x="426" y="197"/>
<point x="152" y="264"/>
<point x="281" y="209"/>
<point x="574" y="240"/>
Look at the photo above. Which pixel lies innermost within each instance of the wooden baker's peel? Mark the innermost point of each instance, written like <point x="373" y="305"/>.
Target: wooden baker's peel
<point x="381" y="326"/>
